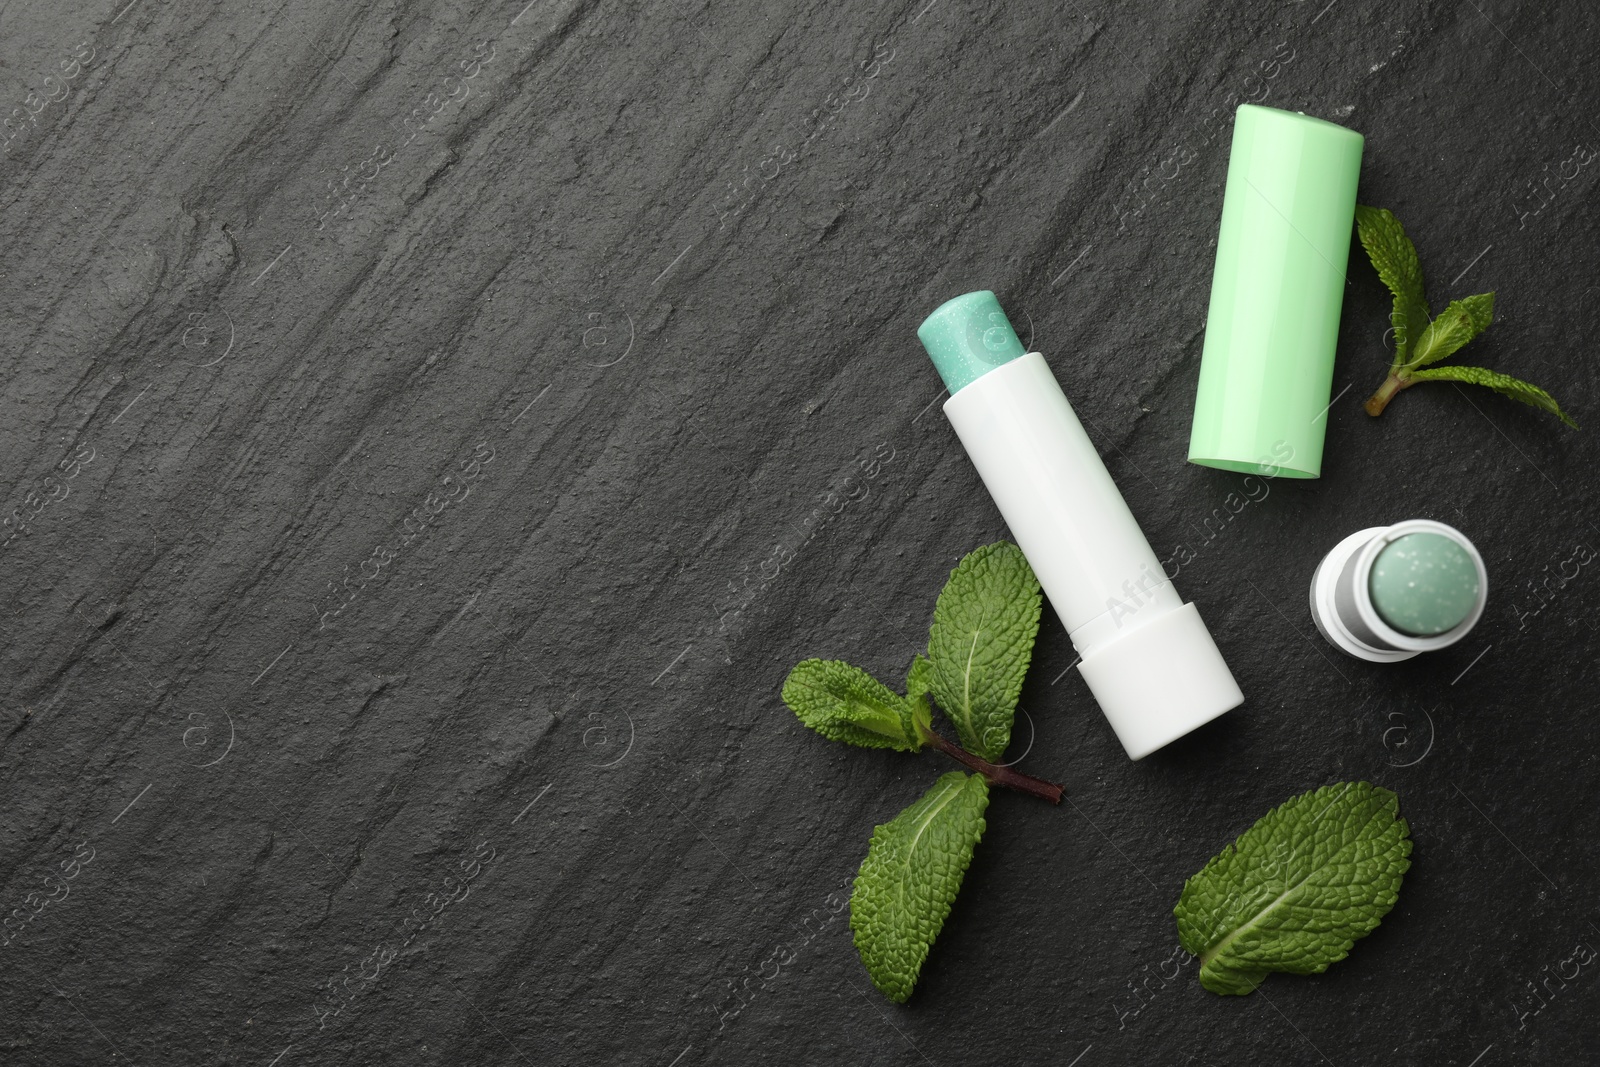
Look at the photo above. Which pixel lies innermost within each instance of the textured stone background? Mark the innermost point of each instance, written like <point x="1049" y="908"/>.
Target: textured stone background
<point x="438" y="428"/>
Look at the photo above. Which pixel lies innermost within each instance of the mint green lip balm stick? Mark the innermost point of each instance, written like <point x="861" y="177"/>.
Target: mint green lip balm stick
<point x="1266" y="372"/>
<point x="1147" y="657"/>
<point x="1389" y="592"/>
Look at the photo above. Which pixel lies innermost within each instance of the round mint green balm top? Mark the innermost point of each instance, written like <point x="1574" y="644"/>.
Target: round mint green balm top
<point x="968" y="337"/>
<point x="1423" y="584"/>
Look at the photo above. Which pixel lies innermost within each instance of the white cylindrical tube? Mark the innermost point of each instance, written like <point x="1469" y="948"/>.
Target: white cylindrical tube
<point x="1147" y="657"/>
<point x="1064" y="510"/>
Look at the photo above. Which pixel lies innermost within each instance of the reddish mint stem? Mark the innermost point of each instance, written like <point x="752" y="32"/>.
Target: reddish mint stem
<point x="1386" y="392"/>
<point x="993" y="772"/>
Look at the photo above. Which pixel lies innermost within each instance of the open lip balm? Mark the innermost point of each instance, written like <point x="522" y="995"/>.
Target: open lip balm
<point x="1146" y="655"/>
<point x="1387" y="593"/>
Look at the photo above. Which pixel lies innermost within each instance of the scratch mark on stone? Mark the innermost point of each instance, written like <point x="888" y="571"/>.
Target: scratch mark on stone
<point x="1473" y="664"/>
<point x="531" y="803"/>
<point x="75" y="1007"/>
<point x="1332" y="402"/>
<point x="862" y="993"/>
<point x="532" y="402"/>
<point x="1074" y="263"/>
<point x="725" y="857"/>
<point x="674" y="263"/>
<point x="1067" y="111"/>
<point x="274" y="263"/>
<point x="131" y="803"/>
<point x="132" y="402"/>
<point x="932" y="402"/>
<point x="273" y="664"/>
<point x="1297" y="630"/>
<point x="673" y="664"/>
<point x="1463" y="274"/>
<point x="1509" y="441"/>
<point x="1063" y="674"/>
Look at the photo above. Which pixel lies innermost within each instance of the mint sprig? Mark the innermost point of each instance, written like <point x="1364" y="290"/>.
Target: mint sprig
<point x="979" y="648"/>
<point x="1297" y="889"/>
<point x="1420" y="339"/>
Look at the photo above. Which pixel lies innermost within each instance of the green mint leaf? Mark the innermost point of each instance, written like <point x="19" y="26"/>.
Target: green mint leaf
<point x="1297" y="889"/>
<point x="845" y="703"/>
<point x="1515" y="388"/>
<point x="1395" y="259"/>
<point x="984" y="626"/>
<point x="910" y="877"/>
<point x="1462" y="321"/>
<point x="919" y="681"/>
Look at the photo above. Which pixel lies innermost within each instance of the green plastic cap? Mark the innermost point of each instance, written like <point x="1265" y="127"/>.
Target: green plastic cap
<point x="1266" y="373"/>
<point x="1423" y="584"/>
<point x="968" y="337"/>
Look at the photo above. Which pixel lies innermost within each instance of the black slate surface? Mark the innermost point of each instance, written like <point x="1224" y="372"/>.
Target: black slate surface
<point x="461" y="416"/>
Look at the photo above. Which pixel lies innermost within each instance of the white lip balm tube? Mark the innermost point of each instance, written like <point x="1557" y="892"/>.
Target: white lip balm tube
<point x="1148" y="659"/>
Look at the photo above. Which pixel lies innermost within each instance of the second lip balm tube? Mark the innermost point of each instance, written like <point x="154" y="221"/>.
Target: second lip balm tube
<point x="1148" y="659"/>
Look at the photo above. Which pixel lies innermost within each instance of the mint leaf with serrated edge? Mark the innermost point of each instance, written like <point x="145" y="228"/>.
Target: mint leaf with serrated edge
<point x="1515" y="388"/>
<point x="845" y="703"/>
<point x="910" y="877"/>
<point x="1461" y="322"/>
<point x="1419" y="339"/>
<point x="1395" y="259"/>
<point x="919" y="679"/>
<point x="981" y="642"/>
<point x="1297" y="889"/>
